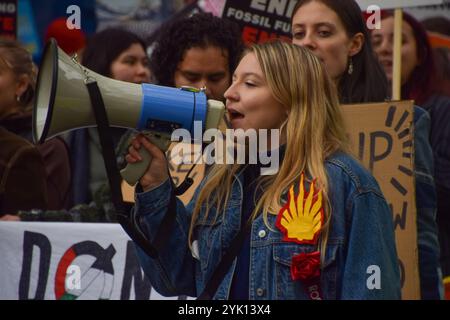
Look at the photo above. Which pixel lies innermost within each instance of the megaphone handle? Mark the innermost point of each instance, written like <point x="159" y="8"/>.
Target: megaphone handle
<point x="134" y="171"/>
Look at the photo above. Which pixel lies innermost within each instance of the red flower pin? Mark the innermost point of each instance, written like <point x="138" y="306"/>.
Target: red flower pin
<point x="305" y="266"/>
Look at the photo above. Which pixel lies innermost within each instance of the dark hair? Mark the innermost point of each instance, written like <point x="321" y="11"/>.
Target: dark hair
<point x="200" y="30"/>
<point x="368" y="82"/>
<point x="438" y="24"/>
<point x="105" y="46"/>
<point x="420" y="85"/>
<point x="19" y="60"/>
<point x="441" y="58"/>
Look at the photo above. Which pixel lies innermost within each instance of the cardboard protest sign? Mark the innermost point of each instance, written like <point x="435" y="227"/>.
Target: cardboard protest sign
<point x="178" y="173"/>
<point x="382" y="139"/>
<point x="8" y="19"/>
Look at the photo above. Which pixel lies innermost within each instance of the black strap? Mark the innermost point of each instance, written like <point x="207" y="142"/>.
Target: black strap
<point x="129" y="223"/>
<point x="225" y="263"/>
<point x="1" y="203"/>
<point x="107" y="145"/>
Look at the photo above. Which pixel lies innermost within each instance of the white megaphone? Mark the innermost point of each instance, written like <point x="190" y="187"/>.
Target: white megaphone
<point x="63" y="103"/>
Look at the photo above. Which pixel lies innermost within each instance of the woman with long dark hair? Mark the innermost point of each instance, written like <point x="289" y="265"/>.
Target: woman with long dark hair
<point x="336" y="33"/>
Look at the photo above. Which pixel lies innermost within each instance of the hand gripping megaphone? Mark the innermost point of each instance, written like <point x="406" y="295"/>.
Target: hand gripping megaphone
<point x="63" y="103"/>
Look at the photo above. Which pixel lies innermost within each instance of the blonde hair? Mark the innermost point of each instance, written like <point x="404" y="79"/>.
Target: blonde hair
<point x="16" y="58"/>
<point x="314" y="130"/>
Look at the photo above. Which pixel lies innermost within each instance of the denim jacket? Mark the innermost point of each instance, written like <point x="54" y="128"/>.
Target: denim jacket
<point x="431" y="285"/>
<point x="361" y="236"/>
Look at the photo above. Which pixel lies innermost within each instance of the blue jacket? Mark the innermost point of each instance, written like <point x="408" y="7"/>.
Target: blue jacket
<point x="431" y="285"/>
<point x="439" y="108"/>
<point x="361" y="236"/>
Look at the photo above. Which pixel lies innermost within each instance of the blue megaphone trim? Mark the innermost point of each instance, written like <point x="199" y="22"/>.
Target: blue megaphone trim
<point x="165" y="109"/>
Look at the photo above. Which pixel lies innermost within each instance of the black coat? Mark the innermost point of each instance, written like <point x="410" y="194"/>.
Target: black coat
<point x="22" y="175"/>
<point x="439" y="109"/>
<point x="55" y="155"/>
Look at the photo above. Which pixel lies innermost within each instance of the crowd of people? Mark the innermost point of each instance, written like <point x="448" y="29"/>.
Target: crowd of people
<point x="243" y="235"/>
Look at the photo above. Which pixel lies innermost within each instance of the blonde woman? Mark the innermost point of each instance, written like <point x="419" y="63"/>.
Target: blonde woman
<point x="320" y="227"/>
<point x="17" y="86"/>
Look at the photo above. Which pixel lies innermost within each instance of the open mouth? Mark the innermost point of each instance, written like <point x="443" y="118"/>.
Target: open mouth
<point x="234" y="114"/>
<point x="386" y="63"/>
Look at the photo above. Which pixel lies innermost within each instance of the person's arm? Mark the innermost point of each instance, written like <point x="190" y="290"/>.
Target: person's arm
<point x="25" y="186"/>
<point x="371" y="269"/>
<point x="427" y="230"/>
<point x="440" y="142"/>
<point x="440" y="139"/>
<point x="173" y="272"/>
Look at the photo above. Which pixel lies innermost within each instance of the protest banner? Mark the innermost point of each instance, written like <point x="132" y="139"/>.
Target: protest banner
<point x="67" y="261"/>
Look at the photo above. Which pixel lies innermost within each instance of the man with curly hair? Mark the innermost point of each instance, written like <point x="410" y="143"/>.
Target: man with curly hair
<point x="197" y="51"/>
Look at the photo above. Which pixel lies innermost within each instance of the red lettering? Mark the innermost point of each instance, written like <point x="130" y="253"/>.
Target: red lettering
<point x="7" y="23"/>
<point x="265" y="36"/>
<point x="286" y="39"/>
<point x="253" y="35"/>
<point x="249" y="35"/>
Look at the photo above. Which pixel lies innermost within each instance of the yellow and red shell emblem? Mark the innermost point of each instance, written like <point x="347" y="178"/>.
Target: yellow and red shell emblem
<point x="301" y="218"/>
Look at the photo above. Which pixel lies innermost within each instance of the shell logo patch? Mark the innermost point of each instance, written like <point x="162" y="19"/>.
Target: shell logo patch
<point x="301" y="218"/>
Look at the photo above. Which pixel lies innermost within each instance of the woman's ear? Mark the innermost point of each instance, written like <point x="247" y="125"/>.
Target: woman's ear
<point x="356" y="44"/>
<point x="23" y="81"/>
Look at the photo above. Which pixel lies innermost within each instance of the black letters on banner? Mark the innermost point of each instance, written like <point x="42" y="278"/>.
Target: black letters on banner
<point x="30" y="240"/>
<point x="133" y="274"/>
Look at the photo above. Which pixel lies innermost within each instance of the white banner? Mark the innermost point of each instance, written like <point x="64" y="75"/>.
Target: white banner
<point x="88" y="261"/>
<point x="391" y="4"/>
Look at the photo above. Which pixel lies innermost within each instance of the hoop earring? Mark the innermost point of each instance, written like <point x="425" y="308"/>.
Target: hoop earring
<point x="283" y="127"/>
<point x="18" y="98"/>
<point x="350" y="66"/>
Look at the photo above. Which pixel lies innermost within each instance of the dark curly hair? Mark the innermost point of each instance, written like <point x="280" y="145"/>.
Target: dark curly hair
<point x="199" y="30"/>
